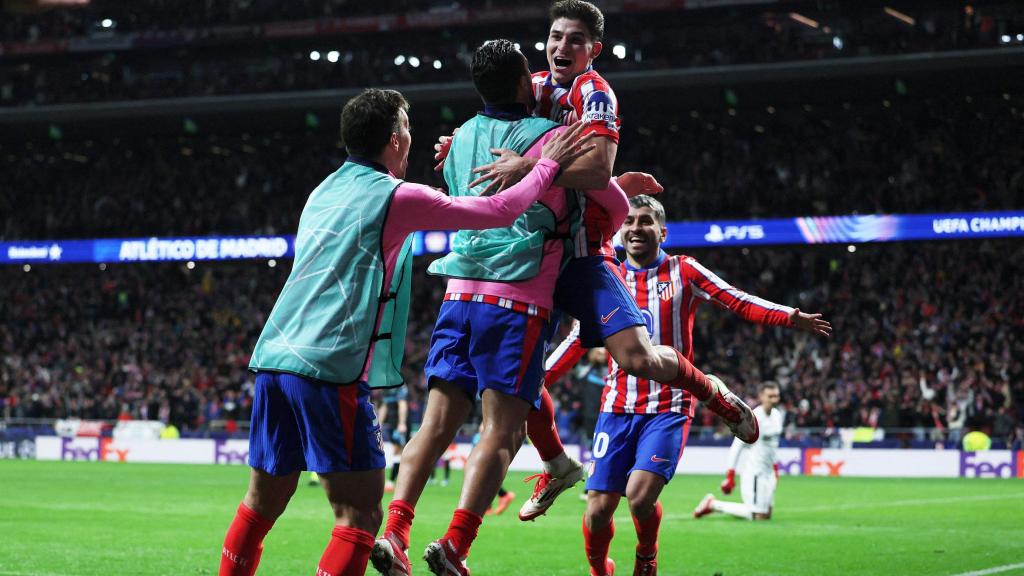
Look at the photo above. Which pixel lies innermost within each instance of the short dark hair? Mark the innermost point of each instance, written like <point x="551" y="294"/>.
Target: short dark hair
<point x="645" y="201"/>
<point x="767" y="384"/>
<point x="369" y="119"/>
<point x="585" y="12"/>
<point x="497" y="68"/>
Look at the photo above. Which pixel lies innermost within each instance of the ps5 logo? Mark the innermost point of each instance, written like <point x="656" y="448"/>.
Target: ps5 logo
<point x="718" y="234"/>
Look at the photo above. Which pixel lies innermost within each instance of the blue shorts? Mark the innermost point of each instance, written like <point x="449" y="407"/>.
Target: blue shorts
<point x="479" y="346"/>
<point x="300" y="424"/>
<point x="627" y="442"/>
<point x="592" y="291"/>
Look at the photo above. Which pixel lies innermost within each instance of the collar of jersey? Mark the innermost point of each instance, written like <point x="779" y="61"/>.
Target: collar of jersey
<point x="551" y="79"/>
<point x="368" y="163"/>
<point x="507" y="111"/>
<point x="657" y="262"/>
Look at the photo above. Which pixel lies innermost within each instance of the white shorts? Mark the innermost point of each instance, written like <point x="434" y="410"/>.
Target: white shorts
<point x="758" y="491"/>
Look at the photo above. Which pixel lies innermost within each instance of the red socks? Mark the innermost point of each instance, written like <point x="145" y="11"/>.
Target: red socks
<point x="347" y="553"/>
<point x="540" y="427"/>
<point x="400" y="515"/>
<point x="243" y="543"/>
<point x="691" y="379"/>
<point x="647" y="532"/>
<point x="596" y="544"/>
<point x="463" y="529"/>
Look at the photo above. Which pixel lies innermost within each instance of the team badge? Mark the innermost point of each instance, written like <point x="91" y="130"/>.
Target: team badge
<point x="666" y="290"/>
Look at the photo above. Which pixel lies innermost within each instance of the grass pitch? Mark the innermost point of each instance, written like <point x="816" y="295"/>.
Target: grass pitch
<point x="84" y="518"/>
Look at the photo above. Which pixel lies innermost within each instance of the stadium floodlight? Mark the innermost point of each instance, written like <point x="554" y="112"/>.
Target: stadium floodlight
<point x="539" y="46"/>
<point x="399" y="60"/>
<point x="437" y="64"/>
<point x="619" y="51"/>
<point x="1020" y="37"/>
<point x="314" y="55"/>
<point x="837" y="42"/>
<point x="414" y="62"/>
<point x="107" y="23"/>
<point x="1005" y="38"/>
<point x="333" y="56"/>
<point x="899" y="15"/>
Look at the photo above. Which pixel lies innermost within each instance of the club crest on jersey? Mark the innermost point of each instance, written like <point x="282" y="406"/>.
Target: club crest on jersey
<point x="666" y="290"/>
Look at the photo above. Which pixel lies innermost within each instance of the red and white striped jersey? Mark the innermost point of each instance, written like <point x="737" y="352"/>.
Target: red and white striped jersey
<point x="668" y="294"/>
<point x="591" y="100"/>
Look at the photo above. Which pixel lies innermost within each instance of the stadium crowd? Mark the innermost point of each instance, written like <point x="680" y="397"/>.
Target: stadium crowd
<point x="929" y="338"/>
<point x="649" y="41"/>
<point x="937" y="154"/>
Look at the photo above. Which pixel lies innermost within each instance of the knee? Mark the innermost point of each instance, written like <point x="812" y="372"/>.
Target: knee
<point x="638" y="363"/>
<point x="364" y="517"/>
<point x="599" y="515"/>
<point x="642" y="503"/>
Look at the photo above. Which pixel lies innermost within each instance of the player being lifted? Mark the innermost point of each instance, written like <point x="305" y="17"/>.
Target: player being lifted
<point x="760" y="475"/>
<point x="490" y="334"/>
<point x="642" y="429"/>
<point x="590" y="288"/>
<point x="338" y="327"/>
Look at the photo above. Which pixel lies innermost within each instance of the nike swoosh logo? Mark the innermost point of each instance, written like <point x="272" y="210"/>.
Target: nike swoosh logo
<point x="605" y="319"/>
<point x="656" y="459"/>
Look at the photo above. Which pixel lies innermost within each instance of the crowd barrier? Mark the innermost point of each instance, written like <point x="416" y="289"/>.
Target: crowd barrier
<point x="696" y="460"/>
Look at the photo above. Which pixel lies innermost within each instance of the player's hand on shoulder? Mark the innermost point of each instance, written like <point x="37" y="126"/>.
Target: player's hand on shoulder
<point x="812" y="323"/>
<point x="637" y="183"/>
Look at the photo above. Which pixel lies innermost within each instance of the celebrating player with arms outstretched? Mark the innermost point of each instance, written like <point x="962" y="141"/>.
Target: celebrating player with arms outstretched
<point x="338" y="328"/>
<point x="643" y="425"/>
<point x="760" y="474"/>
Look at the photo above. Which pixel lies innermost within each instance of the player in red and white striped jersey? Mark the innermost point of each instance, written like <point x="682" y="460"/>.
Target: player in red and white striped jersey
<point x="642" y="429"/>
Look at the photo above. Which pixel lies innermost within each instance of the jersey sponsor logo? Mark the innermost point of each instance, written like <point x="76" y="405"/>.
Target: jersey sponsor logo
<point x="599" y="108"/>
<point x="666" y="290"/>
<point x="719" y="234"/>
<point x="656" y="459"/>
<point x="606" y="318"/>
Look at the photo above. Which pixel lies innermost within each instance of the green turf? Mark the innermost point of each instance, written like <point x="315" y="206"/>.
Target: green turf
<point x="107" y="518"/>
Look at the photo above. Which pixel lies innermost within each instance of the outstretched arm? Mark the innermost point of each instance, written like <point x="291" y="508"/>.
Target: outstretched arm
<point x="711" y="287"/>
<point x="418" y="207"/>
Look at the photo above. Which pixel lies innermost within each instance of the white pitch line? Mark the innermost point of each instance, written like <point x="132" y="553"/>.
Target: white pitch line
<point x="886" y="504"/>
<point x="915" y="502"/>
<point x="996" y="570"/>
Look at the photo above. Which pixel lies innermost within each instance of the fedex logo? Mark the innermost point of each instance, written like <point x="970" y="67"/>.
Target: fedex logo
<point x="224" y="455"/>
<point x="813" y="461"/>
<point x="718" y="234"/>
<point x="104" y="450"/>
<point x="793" y="467"/>
<point x="991" y="465"/>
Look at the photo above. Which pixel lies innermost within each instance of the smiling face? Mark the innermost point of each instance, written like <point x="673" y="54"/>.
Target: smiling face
<point x="570" y="49"/>
<point x="642" y="235"/>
